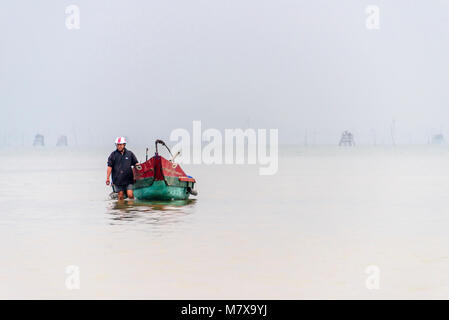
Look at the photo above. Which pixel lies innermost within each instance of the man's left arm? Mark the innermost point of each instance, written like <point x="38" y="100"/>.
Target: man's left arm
<point x="133" y="163"/>
<point x="134" y="160"/>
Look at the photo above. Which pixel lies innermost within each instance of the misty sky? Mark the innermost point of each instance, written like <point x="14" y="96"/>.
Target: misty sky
<point x="143" y="68"/>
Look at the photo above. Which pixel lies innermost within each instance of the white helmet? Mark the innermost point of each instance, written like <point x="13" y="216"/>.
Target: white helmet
<point x="120" y="140"/>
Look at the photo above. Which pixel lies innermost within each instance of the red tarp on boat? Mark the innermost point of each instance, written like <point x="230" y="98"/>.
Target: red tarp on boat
<point x="158" y="167"/>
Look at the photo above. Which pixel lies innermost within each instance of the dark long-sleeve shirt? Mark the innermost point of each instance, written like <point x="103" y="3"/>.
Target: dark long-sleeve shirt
<point x="122" y="173"/>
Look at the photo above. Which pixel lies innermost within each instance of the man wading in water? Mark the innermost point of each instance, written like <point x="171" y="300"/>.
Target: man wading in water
<point x="119" y="163"/>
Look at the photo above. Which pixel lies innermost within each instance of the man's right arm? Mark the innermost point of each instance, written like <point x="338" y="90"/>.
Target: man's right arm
<point x="108" y="173"/>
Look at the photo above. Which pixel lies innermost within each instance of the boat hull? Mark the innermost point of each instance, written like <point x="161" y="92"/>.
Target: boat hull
<point x="160" y="179"/>
<point x="159" y="190"/>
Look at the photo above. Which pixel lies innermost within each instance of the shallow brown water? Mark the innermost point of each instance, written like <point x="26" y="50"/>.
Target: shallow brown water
<point x="309" y="231"/>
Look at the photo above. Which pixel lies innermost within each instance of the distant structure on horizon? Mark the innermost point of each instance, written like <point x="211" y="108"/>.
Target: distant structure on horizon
<point x="438" y="139"/>
<point x="347" y="139"/>
<point x="62" y="141"/>
<point x="38" y="140"/>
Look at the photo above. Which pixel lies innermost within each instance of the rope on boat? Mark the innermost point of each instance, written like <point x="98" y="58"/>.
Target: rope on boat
<point x="163" y="143"/>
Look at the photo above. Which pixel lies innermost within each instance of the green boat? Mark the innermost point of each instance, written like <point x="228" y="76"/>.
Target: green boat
<point x="162" y="179"/>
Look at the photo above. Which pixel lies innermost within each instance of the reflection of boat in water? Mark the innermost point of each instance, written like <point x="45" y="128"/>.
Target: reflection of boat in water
<point x="147" y="206"/>
<point x="161" y="179"/>
<point x="150" y="212"/>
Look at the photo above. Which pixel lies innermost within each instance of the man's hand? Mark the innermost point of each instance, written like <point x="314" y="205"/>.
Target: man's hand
<point x="108" y="174"/>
